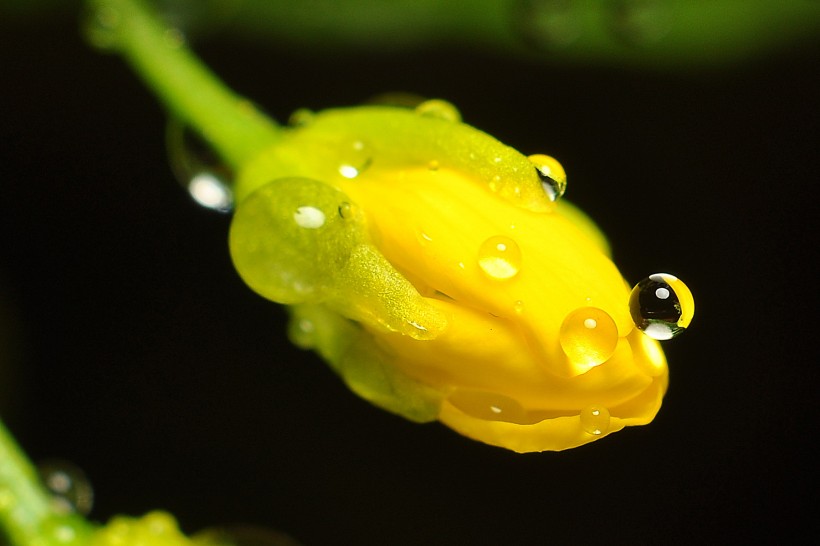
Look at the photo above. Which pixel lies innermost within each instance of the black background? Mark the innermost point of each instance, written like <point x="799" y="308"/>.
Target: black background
<point x="142" y="358"/>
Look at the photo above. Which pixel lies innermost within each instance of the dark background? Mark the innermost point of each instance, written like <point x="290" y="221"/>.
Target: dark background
<point x="141" y="357"/>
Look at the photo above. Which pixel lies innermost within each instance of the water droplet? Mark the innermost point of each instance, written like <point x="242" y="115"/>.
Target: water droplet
<point x="302" y="332"/>
<point x="595" y="420"/>
<point x="356" y="160"/>
<point x="301" y="118"/>
<point x="173" y="38"/>
<point x="100" y="27"/>
<point x="440" y="109"/>
<point x="547" y="24"/>
<point x="70" y="489"/>
<point x="552" y="175"/>
<point x="640" y="22"/>
<point x="244" y="536"/>
<point x="588" y="337"/>
<point x="518" y="307"/>
<point x="347" y="211"/>
<point x="489" y="406"/>
<point x="433" y="165"/>
<point x="160" y="523"/>
<point x="309" y="217"/>
<point x="198" y="169"/>
<point x="661" y="306"/>
<point x="500" y="257"/>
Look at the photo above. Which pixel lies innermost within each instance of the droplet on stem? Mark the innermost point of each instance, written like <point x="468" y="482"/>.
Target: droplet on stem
<point x="198" y="169"/>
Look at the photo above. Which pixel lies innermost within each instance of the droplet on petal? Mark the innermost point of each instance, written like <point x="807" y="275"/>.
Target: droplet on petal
<point x="588" y="337"/>
<point x="595" y="420"/>
<point x="500" y="258"/>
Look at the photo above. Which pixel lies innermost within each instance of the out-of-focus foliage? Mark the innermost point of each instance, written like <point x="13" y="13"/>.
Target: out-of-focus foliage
<point x="660" y="33"/>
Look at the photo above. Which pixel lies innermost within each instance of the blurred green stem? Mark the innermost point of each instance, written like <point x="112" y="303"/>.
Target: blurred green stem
<point x="189" y="90"/>
<point x="26" y="513"/>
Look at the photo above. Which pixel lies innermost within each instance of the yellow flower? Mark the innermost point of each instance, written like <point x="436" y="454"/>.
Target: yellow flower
<point x="437" y="272"/>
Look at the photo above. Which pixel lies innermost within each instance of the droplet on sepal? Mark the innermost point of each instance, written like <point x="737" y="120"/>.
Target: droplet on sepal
<point x="198" y="168"/>
<point x="552" y="175"/>
<point x="356" y="160"/>
<point x="440" y="109"/>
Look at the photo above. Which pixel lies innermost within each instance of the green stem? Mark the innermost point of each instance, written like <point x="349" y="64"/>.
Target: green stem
<point x="26" y="513"/>
<point x="189" y="90"/>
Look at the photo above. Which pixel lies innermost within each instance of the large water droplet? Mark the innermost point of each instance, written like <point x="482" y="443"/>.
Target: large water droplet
<point x="499" y="257"/>
<point x="356" y="160"/>
<point x="70" y="489"/>
<point x="552" y="175"/>
<point x="437" y="108"/>
<point x="489" y="406"/>
<point x="547" y="24"/>
<point x="588" y="337"/>
<point x="595" y="420"/>
<point x="198" y="169"/>
<point x="661" y="306"/>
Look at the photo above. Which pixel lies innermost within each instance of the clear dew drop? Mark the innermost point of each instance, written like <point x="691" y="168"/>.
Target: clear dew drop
<point x="70" y="489"/>
<point x="355" y="160"/>
<point x="519" y="307"/>
<point x="440" y="109"/>
<point x="301" y="118"/>
<point x="100" y="27"/>
<point x="546" y="25"/>
<point x="489" y="406"/>
<point x="595" y="420"/>
<point x="302" y="332"/>
<point x="499" y="258"/>
<point x="661" y="306"/>
<point x="640" y="22"/>
<point x="243" y="536"/>
<point x="588" y="337"/>
<point x="552" y="175"/>
<point x="197" y="168"/>
<point x="433" y="165"/>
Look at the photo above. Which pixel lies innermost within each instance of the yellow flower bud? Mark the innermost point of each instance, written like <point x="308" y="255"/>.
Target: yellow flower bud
<point x="433" y="268"/>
